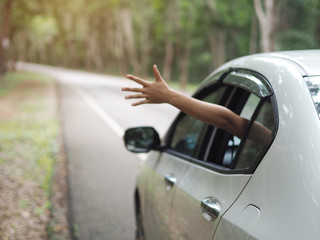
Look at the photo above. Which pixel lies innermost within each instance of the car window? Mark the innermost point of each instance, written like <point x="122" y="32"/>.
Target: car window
<point x="186" y="134"/>
<point x="259" y="137"/>
<point x="313" y="84"/>
<point x="188" y="131"/>
<point x="217" y="148"/>
<point x="243" y="155"/>
<point x="234" y="142"/>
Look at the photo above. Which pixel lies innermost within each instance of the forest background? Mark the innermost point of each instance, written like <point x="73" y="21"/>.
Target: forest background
<point x="187" y="39"/>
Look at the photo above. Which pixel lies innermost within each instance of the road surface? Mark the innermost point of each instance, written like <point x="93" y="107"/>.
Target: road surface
<point x="102" y="172"/>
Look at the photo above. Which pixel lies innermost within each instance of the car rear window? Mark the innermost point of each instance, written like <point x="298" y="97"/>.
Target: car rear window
<point x="313" y="84"/>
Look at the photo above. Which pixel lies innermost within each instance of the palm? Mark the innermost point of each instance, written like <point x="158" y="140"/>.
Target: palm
<point x="150" y="92"/>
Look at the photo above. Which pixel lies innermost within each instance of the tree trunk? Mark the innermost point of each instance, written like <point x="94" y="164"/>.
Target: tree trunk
<point x="93" y="52"/>
<point x="217" y="46"/>
<point x="254" y="35"/>
<point x="119" y="48"/>
<point x="171" y="21"/>
<point x="63" y="34"/>
<point x="217" y="39"/>
<point x="145" y="47"/>
<point x="267" y="16"/>
<point x="168" y="60"/>
<point x="129" y="39"/>
<point x="317" y="33"/>
<point x="4" y="35"/>
<point x="184" y="66"/>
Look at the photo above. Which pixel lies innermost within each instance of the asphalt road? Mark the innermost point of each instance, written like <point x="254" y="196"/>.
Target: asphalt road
<point x="102" y="172"/>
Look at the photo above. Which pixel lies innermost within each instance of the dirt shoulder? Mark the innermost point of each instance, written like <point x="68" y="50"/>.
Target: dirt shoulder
<point x="33" y="186"/>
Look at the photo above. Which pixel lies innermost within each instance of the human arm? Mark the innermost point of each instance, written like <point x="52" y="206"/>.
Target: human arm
<point x="160" y="92"/>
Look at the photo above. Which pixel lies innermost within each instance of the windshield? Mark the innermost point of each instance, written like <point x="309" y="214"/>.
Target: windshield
<point x="313" y="84"/>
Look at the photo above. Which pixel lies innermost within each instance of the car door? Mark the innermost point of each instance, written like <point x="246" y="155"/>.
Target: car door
<point x="169" y="169"/>
<point x="221" y="165"/>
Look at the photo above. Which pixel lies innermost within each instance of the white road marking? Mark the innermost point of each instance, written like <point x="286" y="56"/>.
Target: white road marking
<point x="98" y="109"/>
<point x="103" y="114"/>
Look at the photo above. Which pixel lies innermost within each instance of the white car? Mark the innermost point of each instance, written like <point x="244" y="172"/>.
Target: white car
<point x="203" y="183"/>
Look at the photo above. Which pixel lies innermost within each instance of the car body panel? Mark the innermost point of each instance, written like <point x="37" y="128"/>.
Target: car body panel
<point x="146" y="170"/>
<point x="159" y="196"/>
<point x="197" y="184"/>
<point x="307" y="59"/>
<point x="245" y="222"/>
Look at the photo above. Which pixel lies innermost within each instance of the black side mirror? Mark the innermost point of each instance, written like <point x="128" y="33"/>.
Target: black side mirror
<point x="141" y="139"/>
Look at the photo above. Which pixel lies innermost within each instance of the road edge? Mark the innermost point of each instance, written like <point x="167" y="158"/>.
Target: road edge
<point x="59" y="227"/>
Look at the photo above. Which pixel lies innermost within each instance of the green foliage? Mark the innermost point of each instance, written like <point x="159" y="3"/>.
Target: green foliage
<point x="88" y="34"/>
<point x="43" y="29"/>
<point x="233" y="13"/>
<point x="293" y="39"/>
<point x="299" y="25"/>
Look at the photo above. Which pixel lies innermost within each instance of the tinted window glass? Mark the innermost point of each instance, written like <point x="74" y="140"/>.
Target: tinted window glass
<point x="259" y="137"/>
<point x="234" y="142"/>
<point x="313" y="84"/>
<point x="234" y="153"/>
<point x="188" y="135"/>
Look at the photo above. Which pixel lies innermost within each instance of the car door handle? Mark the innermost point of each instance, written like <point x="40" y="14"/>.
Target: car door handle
<point x="210" y="208"/>
<point x="170" y="180"/>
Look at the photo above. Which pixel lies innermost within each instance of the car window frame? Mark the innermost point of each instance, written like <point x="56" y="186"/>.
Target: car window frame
<point x="213" y="83"/>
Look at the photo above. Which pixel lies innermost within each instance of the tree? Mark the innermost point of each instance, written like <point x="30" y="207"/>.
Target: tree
<point x="298" y="27"/>
<point x="5" y="9"/>
<point x="268" y="18"/>
<point x="187" y="39"/>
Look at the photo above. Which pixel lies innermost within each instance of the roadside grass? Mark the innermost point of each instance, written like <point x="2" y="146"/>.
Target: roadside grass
<point x="29" y="149"/>
<point x="12" y="79"/>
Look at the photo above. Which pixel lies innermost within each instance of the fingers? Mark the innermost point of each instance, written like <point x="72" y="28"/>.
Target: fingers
<point x="135" y="96"/>
<point x="129" y="89"/>
<point x="145" y="91"/>
<point x="157" y="74"/>
<point x="137" y="80"/>
<point x="140" y="103"/>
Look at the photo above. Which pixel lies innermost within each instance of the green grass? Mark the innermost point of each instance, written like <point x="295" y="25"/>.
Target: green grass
<point x="33" y="140"/>
<point x="9" y="81"/>
<point x="28" y="139"/>
<point x="76" y="230"/>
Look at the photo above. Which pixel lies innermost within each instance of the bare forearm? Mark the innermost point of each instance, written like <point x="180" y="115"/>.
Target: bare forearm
<point x="160" y="92"/>
<point x="210" y="113"/>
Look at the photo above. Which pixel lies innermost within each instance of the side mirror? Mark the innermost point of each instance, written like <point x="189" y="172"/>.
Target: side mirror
<point x="141" y="139"/>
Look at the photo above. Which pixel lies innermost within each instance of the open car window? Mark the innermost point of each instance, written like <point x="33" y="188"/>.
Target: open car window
<point x="188" y="131"/>
<point x="234" y="142"/>
<point x="218" y="149"/>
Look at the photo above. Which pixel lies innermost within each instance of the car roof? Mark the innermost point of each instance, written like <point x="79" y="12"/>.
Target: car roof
<point x="308" y="60"/>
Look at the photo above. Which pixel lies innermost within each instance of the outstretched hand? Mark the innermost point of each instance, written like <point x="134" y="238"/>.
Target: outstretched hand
<point x="150" y="92"/>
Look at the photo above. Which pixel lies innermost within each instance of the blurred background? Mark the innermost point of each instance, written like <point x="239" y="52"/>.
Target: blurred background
<point x="61" y="149"/>
<point x="186" y="38"/>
